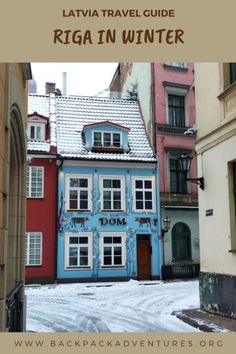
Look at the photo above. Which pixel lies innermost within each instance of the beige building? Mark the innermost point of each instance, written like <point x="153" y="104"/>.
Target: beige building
<point x="136" y="79"/>
<point x="13" y="117"/>
<point x="216" y="151"/>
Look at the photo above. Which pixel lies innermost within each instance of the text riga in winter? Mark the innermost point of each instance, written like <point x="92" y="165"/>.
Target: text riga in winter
<point x="111" y="36"/>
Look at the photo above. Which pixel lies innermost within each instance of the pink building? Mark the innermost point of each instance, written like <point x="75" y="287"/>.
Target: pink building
<point x="174" y="113"/>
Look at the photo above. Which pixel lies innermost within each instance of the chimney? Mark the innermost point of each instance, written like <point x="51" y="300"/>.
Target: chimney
<point x="50" y="87"/>
<point x="64" y="83"/>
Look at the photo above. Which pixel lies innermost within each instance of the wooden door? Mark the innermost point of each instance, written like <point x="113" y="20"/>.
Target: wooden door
<point x="144" y="256"/>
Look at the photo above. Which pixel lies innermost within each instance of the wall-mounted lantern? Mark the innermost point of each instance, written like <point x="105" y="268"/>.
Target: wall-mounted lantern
<point x="184" y="161"/>
<point x="166" y="223"/>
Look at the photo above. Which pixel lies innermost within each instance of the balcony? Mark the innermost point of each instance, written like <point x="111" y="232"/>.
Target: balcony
<point x="170" y="199"/>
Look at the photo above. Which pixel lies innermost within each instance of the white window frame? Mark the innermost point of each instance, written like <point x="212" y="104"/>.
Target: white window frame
<point x="29" y="182"/>
<point x="102" y="138"/>
<point x="177" y="91"/>
<point x="123" y="236"/>
<point x="153" y="191"/>
<point x="29" y="236"/>
<point x="36" y="125"/>
<point x="68" y="188"/>
<point x="67" y="266"/>
<point x="122" y="190"/>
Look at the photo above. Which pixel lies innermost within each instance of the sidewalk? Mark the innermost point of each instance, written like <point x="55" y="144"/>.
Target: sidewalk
<point x="206" y="322"/>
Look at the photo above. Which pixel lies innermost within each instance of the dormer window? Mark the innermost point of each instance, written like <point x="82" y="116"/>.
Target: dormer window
<point x="106" y="139"/>
<point x="37" y="127"/>
<point x="36" y="131"/>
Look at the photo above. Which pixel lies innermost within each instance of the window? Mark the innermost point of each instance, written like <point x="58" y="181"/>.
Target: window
<point x="176" y="64"/>
<point x="35" y="182"/>
<point x="106" y="139"/>
<point x="232" y="203"/>
<point x="144" y="194"/>
<point x="232" y="72"/>
<point x="113" y="249"/>
<point x="112" y="193"/>
<point x="36" y="131"/>
<point x="78" y="192"/>
<point x="78" y="252"/>
<point x="181" y="242"/>
<point x="177" y="182"/>
<point x="33" y="249"/>
<point x="176" y="110"/>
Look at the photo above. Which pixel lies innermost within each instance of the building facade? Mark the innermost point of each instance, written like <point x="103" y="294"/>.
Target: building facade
<point x="13" y="119"/>
<point x="41" y="191"/>
<point x="108" y="203"/>
<point x="168" y="90"/>
<point x="174" y="114"/>
<point x="216" y="141"/>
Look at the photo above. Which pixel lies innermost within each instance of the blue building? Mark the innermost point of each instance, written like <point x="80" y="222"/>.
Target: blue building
<point x="108" y="200"/>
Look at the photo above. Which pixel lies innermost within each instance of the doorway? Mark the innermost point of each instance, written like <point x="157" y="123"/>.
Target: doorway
<point x="181" y="242"/>
<point x="143" y="257"/>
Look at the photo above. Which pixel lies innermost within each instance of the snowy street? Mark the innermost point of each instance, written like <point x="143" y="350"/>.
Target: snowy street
<point x="111" y="307"/>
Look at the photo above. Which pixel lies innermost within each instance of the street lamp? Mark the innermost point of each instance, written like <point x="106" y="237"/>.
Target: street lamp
<point x="184" y="165"/>
<point x="166" y="223"/>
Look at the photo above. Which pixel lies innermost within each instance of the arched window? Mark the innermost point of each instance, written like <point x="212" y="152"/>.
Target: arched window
<point x="181" y="242"/>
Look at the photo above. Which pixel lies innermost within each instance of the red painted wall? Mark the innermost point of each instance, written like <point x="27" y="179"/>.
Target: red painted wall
<point x="41" y="216"/>
<point x="164" y="141"/>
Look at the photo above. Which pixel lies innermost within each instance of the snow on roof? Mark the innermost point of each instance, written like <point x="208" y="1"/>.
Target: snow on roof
<point x="73" y="113"/>
<point x="39" y="104"/>
<point x="33" y="145"/>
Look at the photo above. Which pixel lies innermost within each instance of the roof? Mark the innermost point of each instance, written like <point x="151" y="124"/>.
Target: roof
<point x="38" y="105"/>
<point x="35" y="116"/>
<point x="73" y="113"/>
<point x="40" y="146"/>
<point x="94" y="125"/>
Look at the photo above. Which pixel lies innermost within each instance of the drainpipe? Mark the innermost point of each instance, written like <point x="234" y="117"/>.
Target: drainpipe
<point x="158" y="208"/>
<point x="59" y="166"/>
<point x="153" y="107"/>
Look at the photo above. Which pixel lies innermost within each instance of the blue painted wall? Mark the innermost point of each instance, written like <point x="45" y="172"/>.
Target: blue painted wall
<point x="93" y="224"/>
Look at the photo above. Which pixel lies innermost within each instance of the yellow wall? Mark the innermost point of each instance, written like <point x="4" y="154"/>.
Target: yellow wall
<point x="13" y="94"/>
<point x="216" y="149"/>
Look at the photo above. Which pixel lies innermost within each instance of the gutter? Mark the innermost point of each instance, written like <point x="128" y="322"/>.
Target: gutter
<point x="57" y="210"/>
<point x="107" y="160"/>
<point x="153" y="107"/>
<point x="158" y="210"/>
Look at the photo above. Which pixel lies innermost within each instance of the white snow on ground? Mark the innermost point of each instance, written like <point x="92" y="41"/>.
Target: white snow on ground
<point x="131" y="306"/>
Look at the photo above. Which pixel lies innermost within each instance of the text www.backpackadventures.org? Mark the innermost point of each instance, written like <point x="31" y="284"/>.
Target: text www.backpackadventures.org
<point x="117" y="343"/>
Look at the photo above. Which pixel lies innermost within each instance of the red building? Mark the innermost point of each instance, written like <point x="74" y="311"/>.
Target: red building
<point x="41" y="192"/>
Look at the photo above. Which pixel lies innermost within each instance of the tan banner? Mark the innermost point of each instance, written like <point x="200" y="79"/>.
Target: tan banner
<point x="106" y="30"/>
<point x="118" y="343"/>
